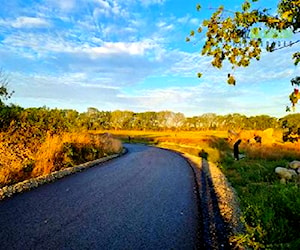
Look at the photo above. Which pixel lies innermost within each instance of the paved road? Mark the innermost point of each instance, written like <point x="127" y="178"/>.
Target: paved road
<point x="142" y="200"/>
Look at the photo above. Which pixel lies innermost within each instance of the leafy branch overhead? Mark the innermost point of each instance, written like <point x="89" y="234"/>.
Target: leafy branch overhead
<point x="236" y="37"/>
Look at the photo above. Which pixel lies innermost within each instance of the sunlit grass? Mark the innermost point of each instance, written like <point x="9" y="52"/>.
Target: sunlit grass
<point x="191" y="142"/>
<point x="276" y="151"/>
<point x="58" y="151"/>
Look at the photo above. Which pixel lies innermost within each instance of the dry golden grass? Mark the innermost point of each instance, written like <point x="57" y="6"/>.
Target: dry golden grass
<point x="30" y="158"/>
<point x="213" y="142"/>
<point x="191" y="142"/>
<point x="53" y="155"/>
<point x="15" y="161"/>
<point x="20" y="161"/>
<point x="276" y="151"/>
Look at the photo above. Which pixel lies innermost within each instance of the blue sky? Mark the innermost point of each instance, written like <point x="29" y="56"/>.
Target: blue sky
<point x="130" y="55"/>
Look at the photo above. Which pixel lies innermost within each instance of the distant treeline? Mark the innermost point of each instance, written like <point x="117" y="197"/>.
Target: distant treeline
<point x="57" y="120"/>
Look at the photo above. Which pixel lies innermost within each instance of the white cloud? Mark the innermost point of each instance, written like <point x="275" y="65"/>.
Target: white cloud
<point x="109" y="8"/>
<point x="26" y="22"/>
<point x="163" y="26"/>
<point x="64" y="5"/>
<point x="187" y="19"/>
<point x="43" y="44"/>
<point x="151" y="2"/>
<point x="103" y="4"/>
<point x="135" y="48"/>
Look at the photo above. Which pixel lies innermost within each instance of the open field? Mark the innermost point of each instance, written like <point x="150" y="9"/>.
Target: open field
<point x="183" y="141"/>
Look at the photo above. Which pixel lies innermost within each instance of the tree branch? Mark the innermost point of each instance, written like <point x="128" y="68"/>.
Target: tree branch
<point x="285" y="46"/>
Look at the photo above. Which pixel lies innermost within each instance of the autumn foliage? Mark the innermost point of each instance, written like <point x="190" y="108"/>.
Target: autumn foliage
<point x="25" y="153"/>
<point x="237" y="37"/>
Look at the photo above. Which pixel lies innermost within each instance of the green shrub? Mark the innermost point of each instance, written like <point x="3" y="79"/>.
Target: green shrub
<point x="78" y="153"/>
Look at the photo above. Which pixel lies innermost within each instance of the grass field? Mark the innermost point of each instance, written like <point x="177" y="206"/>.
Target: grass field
<point x="186" y="141"/>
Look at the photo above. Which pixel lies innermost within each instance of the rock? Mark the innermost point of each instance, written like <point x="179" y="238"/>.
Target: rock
<point x="285" y="174"/>
<point x="294" y="164"/>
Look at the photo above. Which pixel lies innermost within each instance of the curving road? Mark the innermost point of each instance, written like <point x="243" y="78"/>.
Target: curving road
<point x="142" y="200"/>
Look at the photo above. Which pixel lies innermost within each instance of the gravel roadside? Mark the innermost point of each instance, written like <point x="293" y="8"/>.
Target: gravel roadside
<point x="219" y="204"/>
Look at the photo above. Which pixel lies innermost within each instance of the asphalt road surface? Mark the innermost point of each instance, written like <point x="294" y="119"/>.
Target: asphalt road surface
<point x="142" y="200"/>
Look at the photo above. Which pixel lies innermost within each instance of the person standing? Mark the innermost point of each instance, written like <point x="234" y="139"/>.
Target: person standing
<point x="236" y="151"/>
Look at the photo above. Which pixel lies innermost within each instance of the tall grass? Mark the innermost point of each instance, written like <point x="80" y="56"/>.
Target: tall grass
<point x="276" y="151"/>
<point x="20" y="161"/>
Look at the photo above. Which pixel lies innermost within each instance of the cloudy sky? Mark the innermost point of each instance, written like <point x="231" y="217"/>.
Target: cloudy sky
<point x="130" y="55"/>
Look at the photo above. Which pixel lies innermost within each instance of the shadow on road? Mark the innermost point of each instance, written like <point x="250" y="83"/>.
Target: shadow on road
<point x="215" y="230"/>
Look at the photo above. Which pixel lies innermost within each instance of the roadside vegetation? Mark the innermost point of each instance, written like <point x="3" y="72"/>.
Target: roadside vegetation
<point x="270" y="209"/>
<point x="35" y="142"/>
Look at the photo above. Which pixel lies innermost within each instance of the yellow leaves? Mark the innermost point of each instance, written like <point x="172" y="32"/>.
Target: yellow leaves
<point x="288" y="15"/>
<point x="244" y="62"/>
<point x="205" y="22"/>
<point x="199" y="75"/>
<point x="227" y="36"/>
<point x="231" y="80"/>
<point x="226" y="46"/>
<point x="188" y="39"/>
<point x="237" y="39"/>
<point x="232" y="59"/>
<point x="246" y="6"/>
<point x="296" y="57"/>
<point x="235" y="51"/>
<point x="254" y="43"/>
<point x="198" y="7"/>
<point x="281" y="25"/>
<point x="217" y="62"/>
<point x="227" y="24"/>
<point x="294" y="97"/>
<point x="239" y="16"/>
<point x="213" y="28"/>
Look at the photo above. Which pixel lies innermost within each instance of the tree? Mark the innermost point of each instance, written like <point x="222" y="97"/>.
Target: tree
<point x="8" y="114"/>
<point x="262" y="122"/>
<point x="235" y="36"/>
<point x="291" y="127"/>
<point x="121" y="119"/>
<point x="4" y="93"/>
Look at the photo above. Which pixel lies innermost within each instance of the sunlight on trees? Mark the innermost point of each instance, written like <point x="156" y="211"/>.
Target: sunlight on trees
<point x="236" y="36"/>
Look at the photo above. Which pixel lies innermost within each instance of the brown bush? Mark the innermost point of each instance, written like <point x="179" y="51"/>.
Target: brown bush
<point x="24" y="155"/>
